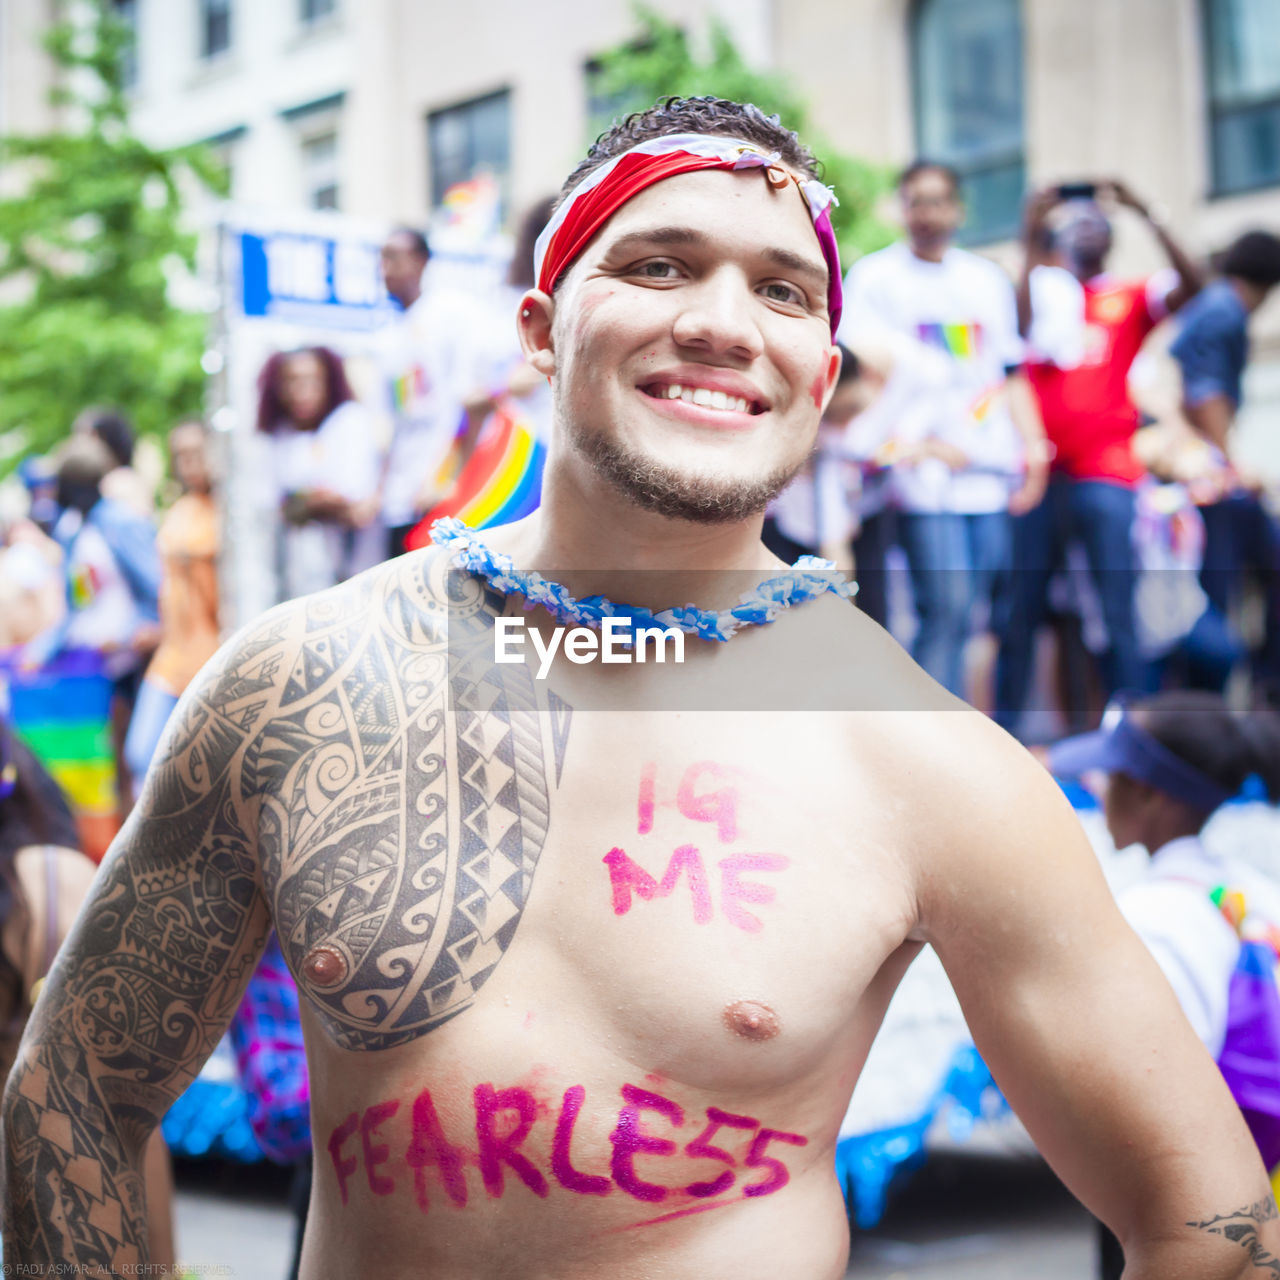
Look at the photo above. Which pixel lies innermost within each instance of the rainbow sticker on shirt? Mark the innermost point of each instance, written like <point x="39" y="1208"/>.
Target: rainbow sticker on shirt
<point x="961" y="341"/>
<point x="83" y="585"/>
<point x="408" y="387"/>
<point x="980" y="409"/>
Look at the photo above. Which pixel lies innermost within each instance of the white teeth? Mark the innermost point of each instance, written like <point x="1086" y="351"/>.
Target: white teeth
<point x="705" y="398"/>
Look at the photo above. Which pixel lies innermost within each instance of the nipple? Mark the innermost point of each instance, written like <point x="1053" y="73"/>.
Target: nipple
<point x="751" y="1020"/>
<point x="325" y="966"/>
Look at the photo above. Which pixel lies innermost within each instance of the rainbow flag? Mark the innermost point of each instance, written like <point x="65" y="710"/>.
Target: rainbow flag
<point x="63" y="712"/>
<point x="501" y="482"/>
<point x="962" y="341"/>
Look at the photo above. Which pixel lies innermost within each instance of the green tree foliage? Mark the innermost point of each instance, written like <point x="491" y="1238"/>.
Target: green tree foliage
<point x="90" y="236"/>
<point x="658" y="62"/>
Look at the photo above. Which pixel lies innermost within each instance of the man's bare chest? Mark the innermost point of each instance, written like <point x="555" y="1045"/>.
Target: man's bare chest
<point x="710" y="859"/>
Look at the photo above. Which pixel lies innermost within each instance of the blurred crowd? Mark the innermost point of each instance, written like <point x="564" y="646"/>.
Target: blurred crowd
<point x="1038" y="514"/>
<point x="1014" y="449"/>
<point x="1024" y="500"/>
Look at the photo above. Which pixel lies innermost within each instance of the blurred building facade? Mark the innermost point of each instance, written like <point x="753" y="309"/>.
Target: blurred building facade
<point x="376" y="107"/>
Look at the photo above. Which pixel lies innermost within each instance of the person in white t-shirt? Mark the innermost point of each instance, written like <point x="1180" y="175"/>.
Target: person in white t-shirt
<point x="1170" y="762"/>
<point x="970" y="452"/>
<point x="324" y="465"/>
<point x="438" y="360"/>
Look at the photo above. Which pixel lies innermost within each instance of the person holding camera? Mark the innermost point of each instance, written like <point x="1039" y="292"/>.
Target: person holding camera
<point x="1089" y="419"/>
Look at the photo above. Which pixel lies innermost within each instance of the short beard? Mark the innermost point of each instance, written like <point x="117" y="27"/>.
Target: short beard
<point x="667" y="492"/>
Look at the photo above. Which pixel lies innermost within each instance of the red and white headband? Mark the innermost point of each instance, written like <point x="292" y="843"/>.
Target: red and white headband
<point x="605" y="190"/>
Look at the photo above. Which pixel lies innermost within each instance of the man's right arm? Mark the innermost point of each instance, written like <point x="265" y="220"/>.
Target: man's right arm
<point x="1209" y="352"/>
<point x="148" y="978"/>
<point x="1212" y="418"/>
<point x="1079" y="1027"/>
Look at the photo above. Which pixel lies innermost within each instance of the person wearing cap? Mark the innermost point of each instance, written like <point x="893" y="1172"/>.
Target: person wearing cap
<point x="1170" y="762"/>
<point x="589" y="961"/>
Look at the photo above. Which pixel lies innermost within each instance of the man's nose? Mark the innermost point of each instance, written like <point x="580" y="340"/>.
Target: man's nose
<point x="718" y="315"/>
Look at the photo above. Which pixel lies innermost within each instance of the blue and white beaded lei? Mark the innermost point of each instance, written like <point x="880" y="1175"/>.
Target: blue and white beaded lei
<point x="807" y="579"/>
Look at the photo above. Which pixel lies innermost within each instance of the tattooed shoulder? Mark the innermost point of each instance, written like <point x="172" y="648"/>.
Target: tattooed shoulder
<point x="1242" y="1228"/>
<point x="404" y="785"/>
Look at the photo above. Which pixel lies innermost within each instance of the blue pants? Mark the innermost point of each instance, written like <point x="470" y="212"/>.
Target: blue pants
<point x="1100" y="516"/>
<point x="1240" y="536"/>
<point x="870" y="549"/>
<point x="955" y="562"/>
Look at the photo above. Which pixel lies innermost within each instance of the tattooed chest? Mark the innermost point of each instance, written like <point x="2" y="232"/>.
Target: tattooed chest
<point x="400" y="845"/>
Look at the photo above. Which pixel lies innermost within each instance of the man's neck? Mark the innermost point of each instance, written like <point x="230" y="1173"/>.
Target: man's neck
<point x="1085" y="271"/>
<point x="929" y="252"/>
<point x="1171" y="828"/>
<point x="595" y="541"/>
<point x="407" y="297"/>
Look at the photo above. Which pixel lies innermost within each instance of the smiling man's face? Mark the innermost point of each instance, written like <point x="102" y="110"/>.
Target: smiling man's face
<point x="693" y="353"/>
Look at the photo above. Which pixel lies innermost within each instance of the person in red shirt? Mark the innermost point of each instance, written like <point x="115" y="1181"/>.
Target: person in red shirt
<point x="1079" y="369"/>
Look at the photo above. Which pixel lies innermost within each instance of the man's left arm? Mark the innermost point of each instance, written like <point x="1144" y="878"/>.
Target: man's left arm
<point x="1010" y="349"/>
<point x="1080" y="1028"/>
<point x="1025" y="412"/>
<point x="1210" y="352"/>
<point x="1190" y="275"/>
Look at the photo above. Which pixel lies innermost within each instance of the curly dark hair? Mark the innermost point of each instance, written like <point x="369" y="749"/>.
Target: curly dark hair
<point x="1254" y="257"/>
<point x="717" y="116"/>
<point x="271" y="410"/>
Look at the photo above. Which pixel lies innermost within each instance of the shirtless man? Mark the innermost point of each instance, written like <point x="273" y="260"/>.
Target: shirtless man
<point x="589" y="965"/>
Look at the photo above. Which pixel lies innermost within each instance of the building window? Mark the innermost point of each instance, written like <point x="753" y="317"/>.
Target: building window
<point x="320" y="170"/>
<point x="126" y="13"/>
<point x="967" y="65"/>
<point x="215" y="27"/>
<point x="315" y="10"/>
<point x="1242" y="48"/>
<point x="222" y="148"/>
<point x="468" y="140"/>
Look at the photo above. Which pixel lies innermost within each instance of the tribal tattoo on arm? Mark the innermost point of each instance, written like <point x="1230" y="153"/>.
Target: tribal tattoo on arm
<point x="144" y="985"/>
<point x="1243" y="1228"/>
<point x="356" y="768"/>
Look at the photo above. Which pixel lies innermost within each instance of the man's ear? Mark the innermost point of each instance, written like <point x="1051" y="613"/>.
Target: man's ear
<point x="533" y="324"/>
<point x="834" y="361"/>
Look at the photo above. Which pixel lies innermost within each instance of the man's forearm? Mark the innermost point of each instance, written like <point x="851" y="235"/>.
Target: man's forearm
<point x="73" y="1162"/>
<point x="1190" y="276"/>
<point x="1025" y="412"/>
<point x="1212" y="418"/>
<point x="1239" y="1245"/>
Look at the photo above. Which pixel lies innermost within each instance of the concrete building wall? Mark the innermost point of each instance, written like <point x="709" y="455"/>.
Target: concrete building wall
<point x="26" y="73"/>
<point x="449" y="54"/>
<point x="273" y="66"/>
